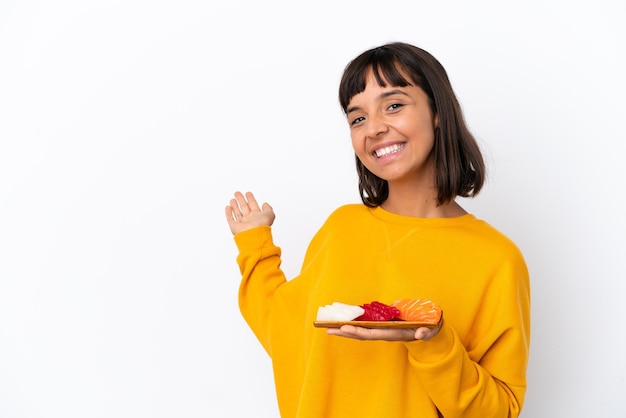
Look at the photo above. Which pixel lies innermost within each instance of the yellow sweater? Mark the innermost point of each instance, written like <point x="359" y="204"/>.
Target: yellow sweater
<point x="474" y="368"/>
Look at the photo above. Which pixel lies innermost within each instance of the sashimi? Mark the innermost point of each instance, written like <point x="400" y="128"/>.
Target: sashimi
<point x="418" y="310"/>
<point x="339" y="312"/>
<point x="377" y="311"/>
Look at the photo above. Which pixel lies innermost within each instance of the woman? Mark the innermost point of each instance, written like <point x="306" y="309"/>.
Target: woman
<point x="409" y="239"/>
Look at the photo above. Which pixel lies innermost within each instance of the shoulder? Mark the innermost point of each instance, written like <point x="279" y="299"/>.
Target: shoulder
<point x="495" y="244"/>
<point x="338" y="226"/>
<point x="347" y="215"/>
<point x="349" y="210"/>
<point x="344" y="218"/>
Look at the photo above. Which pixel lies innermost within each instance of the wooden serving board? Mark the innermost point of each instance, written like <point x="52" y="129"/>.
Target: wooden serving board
<point x="375" y="324"/>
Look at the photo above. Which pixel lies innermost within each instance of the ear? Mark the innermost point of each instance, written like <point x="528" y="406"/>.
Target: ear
<point x="436" y="121"/>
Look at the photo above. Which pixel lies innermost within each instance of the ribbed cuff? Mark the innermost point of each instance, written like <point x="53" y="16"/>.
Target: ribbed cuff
<point x="255" y="238"/>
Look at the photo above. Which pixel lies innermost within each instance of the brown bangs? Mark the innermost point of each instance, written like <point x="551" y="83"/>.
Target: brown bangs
<point x="386" y="68"/>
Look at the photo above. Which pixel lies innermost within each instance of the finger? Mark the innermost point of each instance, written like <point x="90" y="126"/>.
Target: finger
<point x="230" y="216"/>
<point x="267" y="208"/>
<point x="236" y="210"/>
<point x="351" y="329"/>
<point x="252" y="203"/>
<point x="359" y="333"/>
<point x="242" y="203"/>
<point x="345" y="331"/>
<point x="390" y="334"/>
<point x="424" y="334"/>
<point x="238" y="196"/>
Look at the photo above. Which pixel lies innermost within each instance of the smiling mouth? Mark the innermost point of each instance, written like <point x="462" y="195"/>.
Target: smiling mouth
<point x="388" y="150"/>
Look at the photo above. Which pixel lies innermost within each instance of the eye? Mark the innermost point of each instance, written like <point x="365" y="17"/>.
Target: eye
<point x="395" y="106"/>
<point x="357" y="120"/>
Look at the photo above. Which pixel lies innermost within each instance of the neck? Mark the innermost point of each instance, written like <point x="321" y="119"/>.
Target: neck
<point x="423" y="204"/>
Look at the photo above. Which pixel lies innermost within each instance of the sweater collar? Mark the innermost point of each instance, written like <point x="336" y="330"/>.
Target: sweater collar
<point x="410" y="221"/>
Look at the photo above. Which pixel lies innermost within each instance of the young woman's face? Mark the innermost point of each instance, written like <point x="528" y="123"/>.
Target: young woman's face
<point x="392" y="130"/>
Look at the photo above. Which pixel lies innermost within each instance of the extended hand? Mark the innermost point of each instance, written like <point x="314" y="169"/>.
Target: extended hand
<point x="407" y="334"/>
<point x="244" y="213"/>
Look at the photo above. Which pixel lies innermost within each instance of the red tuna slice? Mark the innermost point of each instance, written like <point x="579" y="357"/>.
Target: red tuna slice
<point x="377" y="311"/>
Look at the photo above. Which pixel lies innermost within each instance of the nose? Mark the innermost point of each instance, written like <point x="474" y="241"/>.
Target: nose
<point x="376" y="125"/>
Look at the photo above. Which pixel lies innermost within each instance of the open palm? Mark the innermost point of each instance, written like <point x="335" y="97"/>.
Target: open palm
<point x="244" y="213"/>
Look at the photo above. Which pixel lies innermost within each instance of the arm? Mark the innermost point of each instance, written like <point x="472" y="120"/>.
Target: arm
<point x="484" y="376"/>
<point x="258" y="260"/>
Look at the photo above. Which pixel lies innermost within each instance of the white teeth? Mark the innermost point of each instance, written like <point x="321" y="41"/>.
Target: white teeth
<point x="389" y="150"/>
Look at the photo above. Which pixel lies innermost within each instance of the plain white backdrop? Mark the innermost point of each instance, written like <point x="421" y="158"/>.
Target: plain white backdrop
<point x="125" y="127"/>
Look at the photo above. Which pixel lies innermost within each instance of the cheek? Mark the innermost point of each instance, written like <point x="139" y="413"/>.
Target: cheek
<point x="423" y="130"/>
<point x="359" y="150"/>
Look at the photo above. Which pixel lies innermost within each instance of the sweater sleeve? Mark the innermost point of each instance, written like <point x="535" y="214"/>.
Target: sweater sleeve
<point x="486" y="375"/>
<point x="259" y="262"/>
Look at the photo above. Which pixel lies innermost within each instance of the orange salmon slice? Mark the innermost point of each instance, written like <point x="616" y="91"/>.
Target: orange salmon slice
<point x="418" y="310"/>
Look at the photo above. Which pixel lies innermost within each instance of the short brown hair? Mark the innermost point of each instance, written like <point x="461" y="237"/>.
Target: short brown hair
<point x="459" y="165"/>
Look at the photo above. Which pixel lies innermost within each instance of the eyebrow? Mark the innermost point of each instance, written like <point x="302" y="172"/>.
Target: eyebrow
<point x="383" y="95"/>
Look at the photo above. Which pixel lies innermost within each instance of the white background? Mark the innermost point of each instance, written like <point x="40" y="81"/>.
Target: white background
<point x="126" y="126"/>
